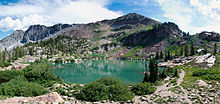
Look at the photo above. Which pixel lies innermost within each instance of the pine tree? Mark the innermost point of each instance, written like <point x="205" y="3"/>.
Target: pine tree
<point x="161" y="54"/>
<point x="153" y="69"/>
<point x="205" y="50"/>
<point x="175" y="73"/>
<point x="181" y="51"/>
<point x="9" y="57"/>
<point x="0" y="57"/>
<point x="31" y="51"/>
<point x="192" y="51"/>
<point x="168" y="55"/>
<point x="4" y="55"/>
<point x="176" y="53"/>
<point x="186" y="50"/>
<point x="17" y="53"/>
<point x="157" y="56"/>
<point x="215" y="49"/>
<point x="146" y="75"/>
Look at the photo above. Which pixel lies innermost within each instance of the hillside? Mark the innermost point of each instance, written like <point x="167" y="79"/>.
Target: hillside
<point x="131" y="36"/>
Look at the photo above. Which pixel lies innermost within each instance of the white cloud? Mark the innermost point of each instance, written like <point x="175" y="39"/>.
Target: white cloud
<point x="48" y="12"/>
<point x="189" y="17"/>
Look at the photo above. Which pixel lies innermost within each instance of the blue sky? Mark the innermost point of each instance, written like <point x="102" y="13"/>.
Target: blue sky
<point x="191" y="16"/>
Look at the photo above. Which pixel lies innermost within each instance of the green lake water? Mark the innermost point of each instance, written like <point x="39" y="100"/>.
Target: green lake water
<point x="130" y="72"/>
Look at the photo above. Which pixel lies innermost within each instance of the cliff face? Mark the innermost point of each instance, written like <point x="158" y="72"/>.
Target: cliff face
<point x="157" y="34"/>
<point x="40" y="32"/>
<point x="12" y="40"/>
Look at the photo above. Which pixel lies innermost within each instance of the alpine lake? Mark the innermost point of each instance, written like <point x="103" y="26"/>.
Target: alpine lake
<point x="87" y="71"/>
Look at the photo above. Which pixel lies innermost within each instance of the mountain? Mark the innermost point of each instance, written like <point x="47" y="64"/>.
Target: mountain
<point x="129" y="36"/>
<point x="12" y="40"/>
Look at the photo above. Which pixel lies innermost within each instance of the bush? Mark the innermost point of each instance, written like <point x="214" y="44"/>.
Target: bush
<point x="59" y="60"/>
<point x="106" y="89"/>
<point x="143" y="88"/>
<point x="10" y="74"/>
<point x="19" y="86"/>
<point x="40" y="73"/>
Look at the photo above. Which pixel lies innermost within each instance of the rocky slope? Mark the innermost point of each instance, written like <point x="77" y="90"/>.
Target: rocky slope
<point x="129" y="36"/>
<point x="210" y="36"/>
<point x="12" y="40"/>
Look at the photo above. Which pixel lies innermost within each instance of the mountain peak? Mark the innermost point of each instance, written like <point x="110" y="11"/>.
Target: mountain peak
<point x="132" y="19"/>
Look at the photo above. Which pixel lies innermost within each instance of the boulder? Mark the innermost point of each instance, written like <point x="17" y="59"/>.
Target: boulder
<point x="208" y="58"/>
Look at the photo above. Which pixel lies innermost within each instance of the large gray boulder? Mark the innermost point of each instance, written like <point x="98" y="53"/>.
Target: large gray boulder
<point x="208" y="59"/>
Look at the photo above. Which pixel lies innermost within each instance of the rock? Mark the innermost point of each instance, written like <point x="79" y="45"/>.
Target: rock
<point x="202" y="83"/>
<point x="81" y="85"/>
<point x="65" y="97"/>
<point x="51" y="97"/>
<point x="211" y="99"/>
<point x="211" y="90"/>
<point x="208" y="58"/>
<point x="202" y="94"/>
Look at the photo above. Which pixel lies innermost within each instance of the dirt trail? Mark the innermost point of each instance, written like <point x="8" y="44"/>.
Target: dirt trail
<point x="163" y="90"/>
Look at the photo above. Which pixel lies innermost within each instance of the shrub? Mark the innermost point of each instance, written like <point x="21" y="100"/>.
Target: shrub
<point x="10" y="74"/>
<point x="40" y="73"/>
<point x="106" y="89"/>
<point x="19" y="86"/>
<point x="59" y="60"/>
<point x="143" y="88"/>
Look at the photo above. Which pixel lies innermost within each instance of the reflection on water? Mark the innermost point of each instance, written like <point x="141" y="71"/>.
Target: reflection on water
<point x="90" y="70"/>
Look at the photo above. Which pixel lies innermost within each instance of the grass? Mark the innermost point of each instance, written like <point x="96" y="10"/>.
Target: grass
<point x="191" y="77"/>
<point x="139" y="28"/>
<point x="132" y="52"/>
<point x="177" y="90"/>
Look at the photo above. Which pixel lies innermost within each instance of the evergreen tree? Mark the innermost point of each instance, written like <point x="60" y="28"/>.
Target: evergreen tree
<point x="205" y="50"/>
<point x="17" y="53"/>
<point x="157" y="56"/>
<point x="186" y="50"/>
<point x="153" y="69"/>
<point x="175" y="73"/>
<point x="163" y="74"/>
<point x="9" y="57"/>
<point x="161" y="54"/>
<point x="176" y="53"/>
<point x="181" y="51"/>
<point x="146" y="76"/>
<point x="4" y="55"/>
<point x="0" y="57"/>
<point x="192" y="51"/>
<point x="168" y="55"/>
<point x="31" y="52"/>
<point x="215" y="49"/>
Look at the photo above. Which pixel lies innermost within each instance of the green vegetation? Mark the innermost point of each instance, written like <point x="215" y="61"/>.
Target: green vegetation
<point x="19" y="86"/>
<point x="30" y="81"/>
<point x="194" y="73"/>
<point x="153" y="70"/>
<point x="106" y="89"/>
<point x="59" y="60"/>
<point x="143" y="88"/>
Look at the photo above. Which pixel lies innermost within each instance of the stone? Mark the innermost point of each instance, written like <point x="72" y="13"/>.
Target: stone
<point x="207" y="58"/>
<point x="211" y="99"/>
<point x="202" y="83"/>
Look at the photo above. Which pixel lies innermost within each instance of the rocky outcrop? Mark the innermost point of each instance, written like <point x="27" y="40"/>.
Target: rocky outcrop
<point x="40" y="32"/>
<point x="12" y="40"/>
<point x="207" y="59"/>
<point x="53" y="97"/>
<point x="155" y="35"/>
<point x="209" y="36"/>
